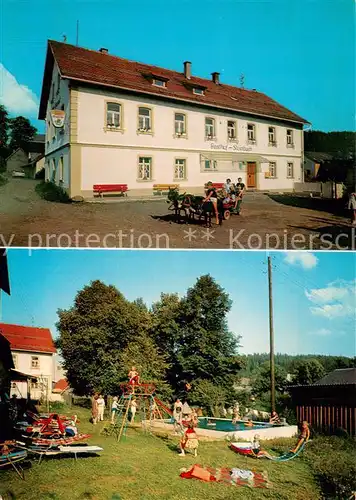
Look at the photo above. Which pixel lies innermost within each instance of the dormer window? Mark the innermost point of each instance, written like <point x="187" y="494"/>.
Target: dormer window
<point x="158" y="83"/>
<point x="198" y="91"/>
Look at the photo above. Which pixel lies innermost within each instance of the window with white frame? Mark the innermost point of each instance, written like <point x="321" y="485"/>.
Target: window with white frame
<point x="158" y="83"/>
<point x="180" y="169"/>
<point x="144" y="119"/>
<point x="209" y="128"/>
<point x="113" y="115"/>
<point x="180" y="124"/>
<point x="35" y="384"/>
<point x="251" y="133"/>
<point x="272" y="136"/>
<point x="145" y="168"/>
<point x="290" y="141"/>
<point x="53" y="171"/>
<point x="35" y="362"/>
<point x="60" y="169"/>
<point x="272" y="172"/>
<point x="231" y="130"/>
<point x="290" y="169"/>
<point x="198" y="91"/>
<point x="15" y="360"/>
<point x="210" y="165"/>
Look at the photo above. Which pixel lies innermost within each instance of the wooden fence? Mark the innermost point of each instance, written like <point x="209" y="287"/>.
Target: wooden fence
<point x="329" y="418"/>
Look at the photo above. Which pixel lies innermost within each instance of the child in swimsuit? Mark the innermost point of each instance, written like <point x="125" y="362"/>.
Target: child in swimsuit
<point x="189" y="441"/>
<point x="134" y="377"/>
<point x="303" y="437"/>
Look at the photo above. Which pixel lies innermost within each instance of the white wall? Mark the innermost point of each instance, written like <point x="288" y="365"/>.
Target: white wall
<point x="115" y="159"/>
<point x="52" y="161"/>
<point x="92" y="121"/>
<point x="22" y="361"/>
<point x="57" y="137"/>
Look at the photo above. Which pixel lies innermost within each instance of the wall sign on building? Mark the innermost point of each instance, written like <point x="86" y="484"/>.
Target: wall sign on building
<point x="58" y="117"/>
<point x="230" y="147"/>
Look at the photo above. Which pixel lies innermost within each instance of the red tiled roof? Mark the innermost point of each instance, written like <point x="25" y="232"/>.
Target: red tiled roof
<point x="61" y="385"/>
<point x="28" y="338"/>
<point x="94" y="67"/>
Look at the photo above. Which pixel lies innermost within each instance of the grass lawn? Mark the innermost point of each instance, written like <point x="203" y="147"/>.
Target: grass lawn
<point x="146" y="467"/>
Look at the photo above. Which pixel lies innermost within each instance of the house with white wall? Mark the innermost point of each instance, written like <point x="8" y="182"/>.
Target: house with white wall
<point x="33" y="353"/>
<point x="114" y="121"/>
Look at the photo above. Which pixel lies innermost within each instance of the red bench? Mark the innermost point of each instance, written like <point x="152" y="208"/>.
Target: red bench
<point x="216" y="185"/>
<point x="100" y="189"/>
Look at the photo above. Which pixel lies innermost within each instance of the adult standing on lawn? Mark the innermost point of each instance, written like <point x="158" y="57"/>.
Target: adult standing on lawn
<point x="352" y="207"/>
<point x="94" y="408"/>
<point x="101" y="407"/>
<point x="240" y="191"/>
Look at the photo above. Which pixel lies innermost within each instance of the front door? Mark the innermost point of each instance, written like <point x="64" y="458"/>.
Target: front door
<point x="251" y="174"/>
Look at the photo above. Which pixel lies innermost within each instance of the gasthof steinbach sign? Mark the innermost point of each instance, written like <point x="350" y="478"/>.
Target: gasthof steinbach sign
<point x="229" y="147"/>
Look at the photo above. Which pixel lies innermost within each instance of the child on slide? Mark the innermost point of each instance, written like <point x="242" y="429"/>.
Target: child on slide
<point x="303" y="437"/>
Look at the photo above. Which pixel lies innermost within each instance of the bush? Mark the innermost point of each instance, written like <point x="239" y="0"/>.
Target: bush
<point x="51" y="192"/>
<point x="333" y="462"/>
<point x="3" y="180"/>
<point x="57" y="406"/>
<point x="82" y="401"/>
<point x="40" y="174"/>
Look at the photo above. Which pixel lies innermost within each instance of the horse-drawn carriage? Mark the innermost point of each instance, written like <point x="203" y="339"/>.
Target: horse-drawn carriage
<point x="189" y="208"/>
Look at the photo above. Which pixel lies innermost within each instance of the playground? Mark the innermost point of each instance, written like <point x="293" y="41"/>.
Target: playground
<point x="146" y="466"/>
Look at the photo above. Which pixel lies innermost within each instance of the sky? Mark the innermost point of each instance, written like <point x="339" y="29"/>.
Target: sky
<point x="314" y="297"/>
<point x="299" y="52"/>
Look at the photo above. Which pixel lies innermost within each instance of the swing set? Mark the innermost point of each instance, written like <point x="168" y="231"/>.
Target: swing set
<point x="151" y="408"/>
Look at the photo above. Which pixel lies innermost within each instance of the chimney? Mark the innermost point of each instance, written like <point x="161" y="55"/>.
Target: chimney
<point x="215" y="77"/>
<point x="187" y="69"/>
<point x="103" y="51"/>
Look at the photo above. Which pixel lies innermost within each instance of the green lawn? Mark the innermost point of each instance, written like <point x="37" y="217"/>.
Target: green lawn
<point x="146" y="467"/>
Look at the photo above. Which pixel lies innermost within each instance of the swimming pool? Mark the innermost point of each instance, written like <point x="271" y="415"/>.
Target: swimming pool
<point x="226" y="425"/>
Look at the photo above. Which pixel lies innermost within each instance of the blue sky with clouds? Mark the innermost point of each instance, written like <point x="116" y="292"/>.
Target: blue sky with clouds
<point x="300" y="52"/>
<point x="314" y="293"/>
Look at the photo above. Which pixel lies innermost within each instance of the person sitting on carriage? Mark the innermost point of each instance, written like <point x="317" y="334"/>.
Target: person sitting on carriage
<point x="240" y="191"/>
<point x="211" y="195"/>
<point x="228" y="186"/>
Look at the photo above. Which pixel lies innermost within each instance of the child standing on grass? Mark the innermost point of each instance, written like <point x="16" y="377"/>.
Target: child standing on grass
<point x="114" y="409"/>
<point x="189" y="441"/>
<point x="133" y="408"/>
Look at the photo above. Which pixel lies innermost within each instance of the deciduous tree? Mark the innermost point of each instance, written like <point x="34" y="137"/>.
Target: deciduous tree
<point x="21" y="132"/>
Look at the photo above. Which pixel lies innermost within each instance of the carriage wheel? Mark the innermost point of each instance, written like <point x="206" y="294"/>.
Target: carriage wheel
<point x="227" y="214"/>
<point x="183" y="215"/>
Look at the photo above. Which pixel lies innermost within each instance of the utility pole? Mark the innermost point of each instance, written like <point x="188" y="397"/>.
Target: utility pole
<point x="271" y="335"/>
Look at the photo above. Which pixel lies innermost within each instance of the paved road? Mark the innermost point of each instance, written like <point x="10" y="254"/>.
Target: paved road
<point x="27" y="220"/>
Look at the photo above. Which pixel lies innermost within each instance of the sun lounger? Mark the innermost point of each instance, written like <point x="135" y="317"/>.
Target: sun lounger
<point x="75" y="450"/>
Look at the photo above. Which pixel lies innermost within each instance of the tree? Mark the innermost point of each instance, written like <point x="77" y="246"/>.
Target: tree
<point x="150" y="363"/>
<point x="4" y="126"/>
<point x="210" y="396"/>
<point x="192" y="332"/>
<point x="308" y="371"/>
<point x="4" y="136"/>
<point x="93" y="335"/>
<point x="21" y="132"/>
<point x="262" y="382"/>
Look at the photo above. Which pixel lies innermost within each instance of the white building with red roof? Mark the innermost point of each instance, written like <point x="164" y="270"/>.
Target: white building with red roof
<point x="33" y="353"/>
<point x="112" y="121"/>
